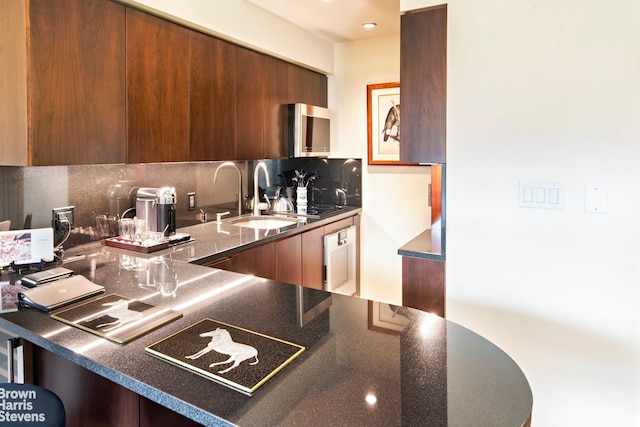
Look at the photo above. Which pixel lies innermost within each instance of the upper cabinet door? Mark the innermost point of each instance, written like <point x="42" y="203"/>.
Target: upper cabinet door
<point x="157" y="89"/>
<point x="249" y="104"/>
<point x="423" y="86"/>
<point x="77" y="86"/>
<point x="275" y="109"/>
<point x="212" y="98"/>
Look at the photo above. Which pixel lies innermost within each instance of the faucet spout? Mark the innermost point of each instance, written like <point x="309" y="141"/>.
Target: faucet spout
<point x="256" y="191"/>
<point x="233" y="166"/>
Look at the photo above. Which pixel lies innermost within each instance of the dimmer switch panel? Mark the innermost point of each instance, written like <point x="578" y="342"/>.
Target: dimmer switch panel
<point x="541" y="195"/>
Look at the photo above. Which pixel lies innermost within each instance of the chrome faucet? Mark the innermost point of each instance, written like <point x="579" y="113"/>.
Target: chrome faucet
<point x="256" y="191"/>
<point x="232" y="165"/>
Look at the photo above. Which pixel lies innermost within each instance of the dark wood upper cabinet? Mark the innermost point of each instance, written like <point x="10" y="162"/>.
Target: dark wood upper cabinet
<point x="275" y="99"/>
<point x="88" y="82"/>
<point x="63" y="66"/>
<point x="423" y="85"/>
<point x="249" y="105"/>
<point x="306" y="86"/>
<point x="212" y="98"/>
<point x="157" y="89"/>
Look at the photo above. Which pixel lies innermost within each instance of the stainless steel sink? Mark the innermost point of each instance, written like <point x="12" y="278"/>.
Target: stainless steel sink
<point x="265" y="222"/>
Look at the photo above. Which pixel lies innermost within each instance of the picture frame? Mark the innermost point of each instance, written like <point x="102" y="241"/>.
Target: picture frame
<point x="383" y="318"/>
<point x="383" y="124"/>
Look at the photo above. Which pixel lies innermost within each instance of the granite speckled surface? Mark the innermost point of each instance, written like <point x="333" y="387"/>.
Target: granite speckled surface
<point x="426" y="245"/>
<point x="364" y="363"/>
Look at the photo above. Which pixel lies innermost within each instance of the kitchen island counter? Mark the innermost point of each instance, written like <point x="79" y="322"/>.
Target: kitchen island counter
<point x="364" y="363"/>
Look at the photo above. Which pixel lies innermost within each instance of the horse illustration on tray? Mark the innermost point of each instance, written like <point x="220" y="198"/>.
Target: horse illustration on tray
<point x="222" y="342"/>
<point x="118" y="310"/>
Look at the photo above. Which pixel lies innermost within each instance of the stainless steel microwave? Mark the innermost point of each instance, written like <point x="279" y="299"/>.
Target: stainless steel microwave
<point x="309" y="131"/>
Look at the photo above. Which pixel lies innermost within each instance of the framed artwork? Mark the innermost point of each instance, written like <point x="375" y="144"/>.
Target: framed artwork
<point x="385" y="318"/>
<point x="383" y="123"/>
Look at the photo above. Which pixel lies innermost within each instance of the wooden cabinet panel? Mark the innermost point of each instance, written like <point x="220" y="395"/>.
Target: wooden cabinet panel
<point x="84" y="394"/>
<point x="275" y="110"/>
<point x="288" y="258"/>
<point x="423" y="78"/>
<point x="307" y="86"/>
<point x="423" y="284"/>
<point x="77" y="82"/>
<point x="212" y="98"/>
<point x="157" y="89"/>
<point x="92" y="400"/>
<point x="258" y="261"/>
<point x="249" y="105"/>
<point x="313" y="258"/>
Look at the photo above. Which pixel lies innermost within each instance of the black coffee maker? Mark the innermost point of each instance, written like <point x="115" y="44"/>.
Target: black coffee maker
<point x="157" y="206"/>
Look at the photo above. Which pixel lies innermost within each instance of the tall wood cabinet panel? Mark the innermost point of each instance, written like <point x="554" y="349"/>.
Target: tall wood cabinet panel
<point x="212" y="98"/>
<point x="249" y="104"/>
<point x="63" y="82"/>
<point x="423" y="284"/>
<point x="157" y="89"/>
<point x="313" y="258"/>
<point x="288" y="260"/>
<point x="423" y="82"/>
<point x="275" y="99"/>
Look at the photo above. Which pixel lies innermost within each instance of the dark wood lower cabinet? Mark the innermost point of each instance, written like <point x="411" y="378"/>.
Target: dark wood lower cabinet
<point x="288" y="260"/>
<point x="94" y="401"/>
<point x="423" y="284"/>
<point x="313" y="258"/>
<point x="258" y="261"/>
<point x="298" y="259"/>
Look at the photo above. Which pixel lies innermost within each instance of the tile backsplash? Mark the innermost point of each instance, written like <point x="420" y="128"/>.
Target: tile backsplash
<point x="111" y="189"/>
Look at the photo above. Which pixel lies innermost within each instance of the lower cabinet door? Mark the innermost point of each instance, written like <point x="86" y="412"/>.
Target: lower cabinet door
<point x="288" y="257"/>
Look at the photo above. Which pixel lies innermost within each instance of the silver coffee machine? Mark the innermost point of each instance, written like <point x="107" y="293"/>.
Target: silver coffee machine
<point x="157" y="206"/>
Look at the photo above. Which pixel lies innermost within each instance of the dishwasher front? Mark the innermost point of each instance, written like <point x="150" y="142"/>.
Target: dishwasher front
<point x="340" y="261"/>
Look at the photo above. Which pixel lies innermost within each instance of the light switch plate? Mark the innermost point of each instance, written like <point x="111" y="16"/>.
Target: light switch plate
<point x="595" y="199"/>
<point x="541" y="195"/>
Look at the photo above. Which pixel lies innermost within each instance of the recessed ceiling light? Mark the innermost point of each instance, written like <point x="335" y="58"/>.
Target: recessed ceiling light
<point x="369" y="25"/>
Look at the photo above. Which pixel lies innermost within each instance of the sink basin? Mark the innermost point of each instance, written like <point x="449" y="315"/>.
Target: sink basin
<point x="265" y="222"/>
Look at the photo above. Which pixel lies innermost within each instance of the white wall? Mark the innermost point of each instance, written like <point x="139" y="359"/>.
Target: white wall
<point x="395" y="206"/>
<point x="548" y="91"/>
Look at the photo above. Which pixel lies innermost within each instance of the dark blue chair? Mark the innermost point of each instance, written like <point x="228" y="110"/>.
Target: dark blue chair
<point x="30" y="405"/>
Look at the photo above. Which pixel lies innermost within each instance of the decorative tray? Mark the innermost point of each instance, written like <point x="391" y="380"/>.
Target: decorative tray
<point x="116" y="317"/>
<point x="147" y="246"/>
<point x="204" y="349"/>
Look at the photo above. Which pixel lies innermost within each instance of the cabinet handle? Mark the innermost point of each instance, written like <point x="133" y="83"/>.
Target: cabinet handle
<point x="14" y="343"/>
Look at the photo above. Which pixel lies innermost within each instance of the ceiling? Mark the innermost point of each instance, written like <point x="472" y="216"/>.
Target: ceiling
<point x="338" y="20"/>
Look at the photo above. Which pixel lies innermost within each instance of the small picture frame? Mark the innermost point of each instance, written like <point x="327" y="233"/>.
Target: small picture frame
<point x="385" y="318"/>
<point x="383" y="124"/>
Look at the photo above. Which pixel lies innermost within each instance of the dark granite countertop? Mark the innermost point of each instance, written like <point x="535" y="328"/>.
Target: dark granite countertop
<point x="363" y="363"/>
<point x="427" y="245"/>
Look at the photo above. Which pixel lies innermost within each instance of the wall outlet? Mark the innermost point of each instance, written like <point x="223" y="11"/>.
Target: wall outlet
<point x="191" y="201"/>
<point x="59" y="215"/>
